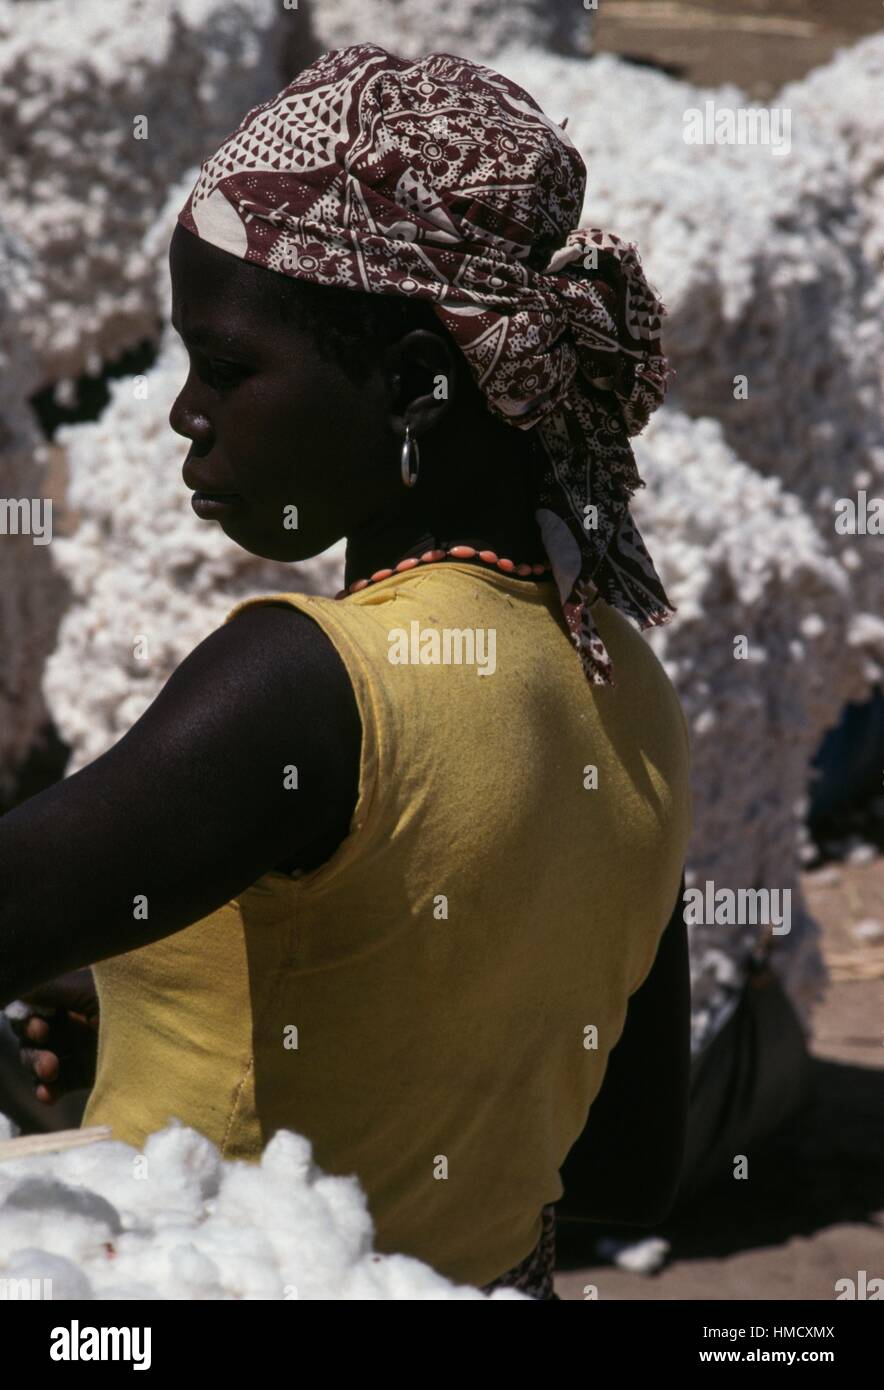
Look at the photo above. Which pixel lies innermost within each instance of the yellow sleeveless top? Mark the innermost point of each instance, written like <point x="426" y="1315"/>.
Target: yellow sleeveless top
<point x="434" y="1006"/>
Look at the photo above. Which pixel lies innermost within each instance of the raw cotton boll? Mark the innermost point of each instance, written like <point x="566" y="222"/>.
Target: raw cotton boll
<point x="47" y="1214"/>
<point x="249" y="1193"/>
<point x="225" y="1261"/>
<point x="109" y="1166"/>
<point x="346" y="1206"/>
<point x="336" y="1203"/>
<point x="36" y="1193"/>
<point x="185" y="1166"/>
<point x="127" y="1179"/>
<point x="310" y="1249"/>
<point x="289" y="1153"/>
<point x="158" y="1250"/>
<point x="244" y="1267"/>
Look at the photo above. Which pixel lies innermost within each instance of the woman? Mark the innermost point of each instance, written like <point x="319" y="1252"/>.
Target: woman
<point x="386" y="869"/>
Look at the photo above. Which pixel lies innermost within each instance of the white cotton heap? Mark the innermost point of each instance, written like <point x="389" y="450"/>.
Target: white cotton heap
<point x="32" y="594"/>
<point x="770" y="268"/>
<point x="759" y="632"/>
<point x="176" y="1221"/>
<point x="83" y="175"/>
<point x="475" y="28"/>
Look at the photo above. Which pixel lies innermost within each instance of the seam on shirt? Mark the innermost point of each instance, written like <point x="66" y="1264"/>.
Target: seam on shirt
<point x="235" y="1106"/>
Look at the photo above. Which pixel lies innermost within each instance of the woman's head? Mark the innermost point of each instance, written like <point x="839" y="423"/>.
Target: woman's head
<point x="437" y="182"/>
<point x="297" y="398"/>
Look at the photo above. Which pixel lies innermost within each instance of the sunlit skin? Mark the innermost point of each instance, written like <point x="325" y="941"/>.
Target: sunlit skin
<point x="273" y="421"/>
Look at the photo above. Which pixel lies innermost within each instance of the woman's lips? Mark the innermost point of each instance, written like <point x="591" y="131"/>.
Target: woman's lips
<point x="214" y="506"/>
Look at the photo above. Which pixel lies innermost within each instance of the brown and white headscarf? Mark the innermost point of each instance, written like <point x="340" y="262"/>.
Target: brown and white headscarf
<point x="440" y="179"/>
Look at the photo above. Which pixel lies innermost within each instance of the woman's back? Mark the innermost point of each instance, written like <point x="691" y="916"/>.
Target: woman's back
<point x="423" y="1005"/>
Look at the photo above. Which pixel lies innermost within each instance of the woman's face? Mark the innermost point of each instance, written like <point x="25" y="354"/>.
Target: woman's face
<point x="296" y="454"/>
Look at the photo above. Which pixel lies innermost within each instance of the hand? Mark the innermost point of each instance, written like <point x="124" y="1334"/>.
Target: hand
<point x="59" y="1040"/>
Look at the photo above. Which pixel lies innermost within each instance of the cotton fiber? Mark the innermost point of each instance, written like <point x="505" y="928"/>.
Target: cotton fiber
<point x="176" y="1221"/>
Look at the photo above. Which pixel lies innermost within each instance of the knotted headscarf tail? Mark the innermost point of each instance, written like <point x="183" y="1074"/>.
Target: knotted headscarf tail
<point x="443" y="180"/>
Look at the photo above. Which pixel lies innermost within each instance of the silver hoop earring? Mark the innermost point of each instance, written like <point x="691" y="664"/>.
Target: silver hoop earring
<point x="410" y="459"/>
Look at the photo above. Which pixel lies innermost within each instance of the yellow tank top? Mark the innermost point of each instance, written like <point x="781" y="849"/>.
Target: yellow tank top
<point x="434" y="1006"/>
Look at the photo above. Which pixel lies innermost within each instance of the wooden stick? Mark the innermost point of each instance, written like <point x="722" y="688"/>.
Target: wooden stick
<point x="29" y="1144"/>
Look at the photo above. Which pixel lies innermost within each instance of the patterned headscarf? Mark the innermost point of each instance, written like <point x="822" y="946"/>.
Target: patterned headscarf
<point x="442" y="180"/>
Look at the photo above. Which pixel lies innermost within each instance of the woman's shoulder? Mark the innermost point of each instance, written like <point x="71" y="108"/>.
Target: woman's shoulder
<point x="283" y="652"/>
<point x="290" y="651"/>
<point x="247" y="759"/>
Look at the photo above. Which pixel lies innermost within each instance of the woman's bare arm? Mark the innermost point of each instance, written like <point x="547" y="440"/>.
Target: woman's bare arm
<point x="626" y="1165"/>
<point x="190" y="807"/>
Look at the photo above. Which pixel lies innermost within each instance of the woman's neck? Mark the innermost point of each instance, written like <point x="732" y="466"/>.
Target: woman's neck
<point x="481" y="497"/>
<point x="368" y="554"/>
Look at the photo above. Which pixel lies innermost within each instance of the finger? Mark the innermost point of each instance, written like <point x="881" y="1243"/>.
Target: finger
<point x="47" y="1094"/>
<point x="36" y="1062"/>
<point x="45" y="1065"/>
<point x="20" y="1026"/>
<point x="74" y="990"/>
<point x="36" y="1028"/>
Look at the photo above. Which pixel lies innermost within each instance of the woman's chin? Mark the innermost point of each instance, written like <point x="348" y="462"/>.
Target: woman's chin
<point x="287" y="549"/>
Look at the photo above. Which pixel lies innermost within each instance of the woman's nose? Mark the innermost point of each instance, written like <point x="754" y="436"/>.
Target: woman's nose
<point x="188" y="420"/>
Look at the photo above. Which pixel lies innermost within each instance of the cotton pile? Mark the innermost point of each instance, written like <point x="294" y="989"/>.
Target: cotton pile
<point x="32" y="592"/>
<point x="770" y="267"/>
<point x="83" y="175"/>
<point x="177" y="1222"/>
<point x="473" y="27"/>
<point x="741" y="559"/>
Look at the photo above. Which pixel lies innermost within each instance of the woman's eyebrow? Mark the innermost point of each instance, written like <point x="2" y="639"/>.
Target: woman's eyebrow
<point x="201" y="334"/>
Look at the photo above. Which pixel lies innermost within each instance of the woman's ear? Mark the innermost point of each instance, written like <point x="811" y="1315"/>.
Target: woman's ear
<point x="421" y="374"/>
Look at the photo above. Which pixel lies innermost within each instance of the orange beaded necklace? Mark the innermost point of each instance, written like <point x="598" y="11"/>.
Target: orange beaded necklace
<point x="432" y="557"/>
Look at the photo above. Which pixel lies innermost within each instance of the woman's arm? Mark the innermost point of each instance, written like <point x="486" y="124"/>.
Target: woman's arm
<point x="190" y="807"/>
<point x="626" y="1166"/>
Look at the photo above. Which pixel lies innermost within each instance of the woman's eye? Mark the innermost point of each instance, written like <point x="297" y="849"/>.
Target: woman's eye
<point x="224" y="373"/>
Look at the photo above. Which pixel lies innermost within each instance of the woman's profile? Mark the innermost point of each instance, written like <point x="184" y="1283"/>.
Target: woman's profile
<point x="399" y="870"/>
